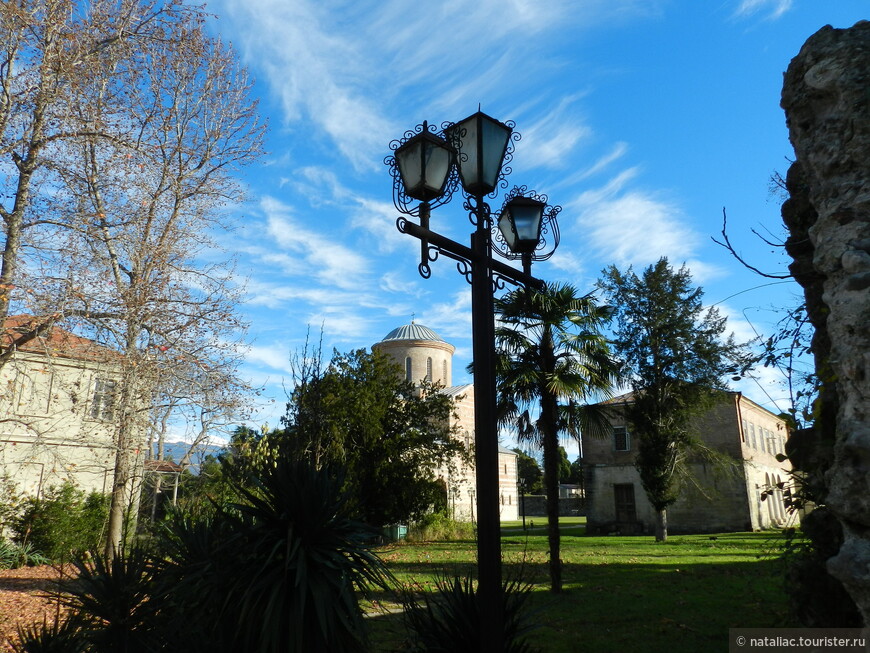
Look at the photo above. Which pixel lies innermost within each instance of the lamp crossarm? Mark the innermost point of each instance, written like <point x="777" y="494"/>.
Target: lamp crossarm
<point x="462" y="253"/>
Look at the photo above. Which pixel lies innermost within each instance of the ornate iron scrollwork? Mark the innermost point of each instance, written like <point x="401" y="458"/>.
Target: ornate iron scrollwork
<point x="549" y="239"/>
<point x="402" y="202"/>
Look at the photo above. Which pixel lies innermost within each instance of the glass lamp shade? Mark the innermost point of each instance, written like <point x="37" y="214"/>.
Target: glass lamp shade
<point x="424" y="165"/>
<point x="520" y="224"/>
<point x="481" y="143"/>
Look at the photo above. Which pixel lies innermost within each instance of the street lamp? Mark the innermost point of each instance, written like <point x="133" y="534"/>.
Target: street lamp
<point x="523" y="500"/>
<point x="424" y="162"/>
<point x="476" y="151"/>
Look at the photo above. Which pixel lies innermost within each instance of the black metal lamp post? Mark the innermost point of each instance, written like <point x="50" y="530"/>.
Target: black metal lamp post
<point x="523" y="500"/>
<point x="475" y="151"/>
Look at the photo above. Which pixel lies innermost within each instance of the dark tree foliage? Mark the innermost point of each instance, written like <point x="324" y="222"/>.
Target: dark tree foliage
<point x="564" y="466"/>
<point x="389" y="435"/>
<point x="672" y="350"/>
<point x="576" y="476"/>
<point x="529" y="472"/>
<point x="551" y="360"/>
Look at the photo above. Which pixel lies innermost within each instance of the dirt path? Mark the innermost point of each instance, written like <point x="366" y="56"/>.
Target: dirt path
<point x="24" y="600"/>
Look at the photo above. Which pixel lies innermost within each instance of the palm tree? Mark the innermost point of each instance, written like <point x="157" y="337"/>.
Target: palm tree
<point x="551" y="360"/>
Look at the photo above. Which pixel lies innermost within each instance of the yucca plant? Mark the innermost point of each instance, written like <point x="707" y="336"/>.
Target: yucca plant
<point x="198" y="568"/>
<point x="14" y="555"/>
<point x="278" y="571"/>
<point x="112" y="601"/>
<point x="448" y="620"/>
<point x="302" y="561"/>
<point x="57" y="636"/>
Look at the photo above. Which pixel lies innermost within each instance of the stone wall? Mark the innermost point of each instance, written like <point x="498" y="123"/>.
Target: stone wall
<point x="536" y="506"/>
<point x="827" y="104"/>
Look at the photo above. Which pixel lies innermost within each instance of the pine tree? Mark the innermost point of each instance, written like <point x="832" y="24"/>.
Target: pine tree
<point x="672" y="350"/>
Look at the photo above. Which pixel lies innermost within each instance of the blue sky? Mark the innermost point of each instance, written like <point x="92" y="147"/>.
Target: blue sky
<point x="643" y="119"/>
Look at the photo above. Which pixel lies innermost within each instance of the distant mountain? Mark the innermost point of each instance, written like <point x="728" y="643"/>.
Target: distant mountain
<point x="175" y="451"/>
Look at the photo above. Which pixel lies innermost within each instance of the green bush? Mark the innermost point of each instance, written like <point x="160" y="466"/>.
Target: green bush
<point x="438" y="527"/>
<point x="11" y="503"/>
<point x="64" y="521"/>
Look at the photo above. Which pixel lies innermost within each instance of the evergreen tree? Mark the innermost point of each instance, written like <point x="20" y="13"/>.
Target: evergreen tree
<point x="673" y="352"/>
<point x="529" y="472"/>
<point x="389" y="435"/>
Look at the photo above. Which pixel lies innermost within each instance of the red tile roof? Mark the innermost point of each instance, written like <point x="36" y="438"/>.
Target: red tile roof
<point x="54" y="342"/>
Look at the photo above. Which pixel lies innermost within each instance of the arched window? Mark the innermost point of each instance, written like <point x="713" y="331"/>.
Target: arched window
<point x="429" y="369"/>
<point x="444" y="372"/>
<point x="408" y="369"/>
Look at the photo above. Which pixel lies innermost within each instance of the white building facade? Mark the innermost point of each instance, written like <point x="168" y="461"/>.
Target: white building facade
<point x="57" y="412"/>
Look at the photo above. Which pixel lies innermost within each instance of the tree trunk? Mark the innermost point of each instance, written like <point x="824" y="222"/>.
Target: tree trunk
<point x="551" y="483"/>
<point x="825" y="100"/>
<point x="662" y="525"/>
<point x="550" y="437"/>
<point x="119" y="503"/>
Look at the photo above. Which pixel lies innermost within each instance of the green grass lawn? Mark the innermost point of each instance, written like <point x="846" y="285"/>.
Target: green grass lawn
<point x="621" y="593"/>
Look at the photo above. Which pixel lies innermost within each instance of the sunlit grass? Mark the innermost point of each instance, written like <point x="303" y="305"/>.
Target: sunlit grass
<point x="623" y="593"/>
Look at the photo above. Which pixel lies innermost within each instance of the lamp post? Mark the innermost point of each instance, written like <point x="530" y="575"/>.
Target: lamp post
<point x="523" y="500"/>
<point x="429" y="166"/>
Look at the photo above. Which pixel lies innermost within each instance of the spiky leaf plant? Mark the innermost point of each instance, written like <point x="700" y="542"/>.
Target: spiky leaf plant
<point x="304" y="560"/>
<point x="449" y="620"/>
<point x="112" y="601"/>
<point x="57" y="636"/>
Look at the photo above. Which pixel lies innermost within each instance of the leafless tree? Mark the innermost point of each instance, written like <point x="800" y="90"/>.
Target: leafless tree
<point x="125" y="155"/>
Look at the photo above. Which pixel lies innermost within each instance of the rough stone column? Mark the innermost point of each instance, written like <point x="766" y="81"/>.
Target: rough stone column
<point x="826" y="97"/>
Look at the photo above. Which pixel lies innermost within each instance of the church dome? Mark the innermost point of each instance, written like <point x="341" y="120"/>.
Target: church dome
<point x="413" y="331"/>
<point x="420" y="352"/>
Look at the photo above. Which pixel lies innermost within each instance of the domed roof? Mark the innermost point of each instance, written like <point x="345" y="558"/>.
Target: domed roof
<point x="413" y="331"/>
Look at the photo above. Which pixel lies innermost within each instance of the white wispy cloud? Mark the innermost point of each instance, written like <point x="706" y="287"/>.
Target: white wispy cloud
<point x="306" y="251"/>
<point x="550" y="141"/>
<point x="378" y="219"/>
<point x="350" y="69"/>
<point x="275" y="357"/>
<point x="400" y="283"/>
<point x="451" y="318"/>
<point x="629" y="226"/>
<point x="776" y="8"/>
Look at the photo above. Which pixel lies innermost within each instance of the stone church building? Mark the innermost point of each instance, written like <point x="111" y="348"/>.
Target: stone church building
<point x="424" y="355"/>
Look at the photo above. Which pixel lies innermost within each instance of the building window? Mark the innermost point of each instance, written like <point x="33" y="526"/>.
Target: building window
<point x="444" y="372"/>
<point x="623" y="494"/>
<point x="429" y="369"/>
<point x="408" y="369"/>
<point x="752" y="435"/>
<point x="103" y="403"/>
<point x="621" y="441"/>
<point x="34" y="391"/>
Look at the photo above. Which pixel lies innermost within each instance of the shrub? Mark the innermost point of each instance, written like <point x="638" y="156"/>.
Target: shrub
<point x="11" y="503"/>
<point x="438" y="527"/>
<point x="57" y="636"/>
<point x="63" y="522"/>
